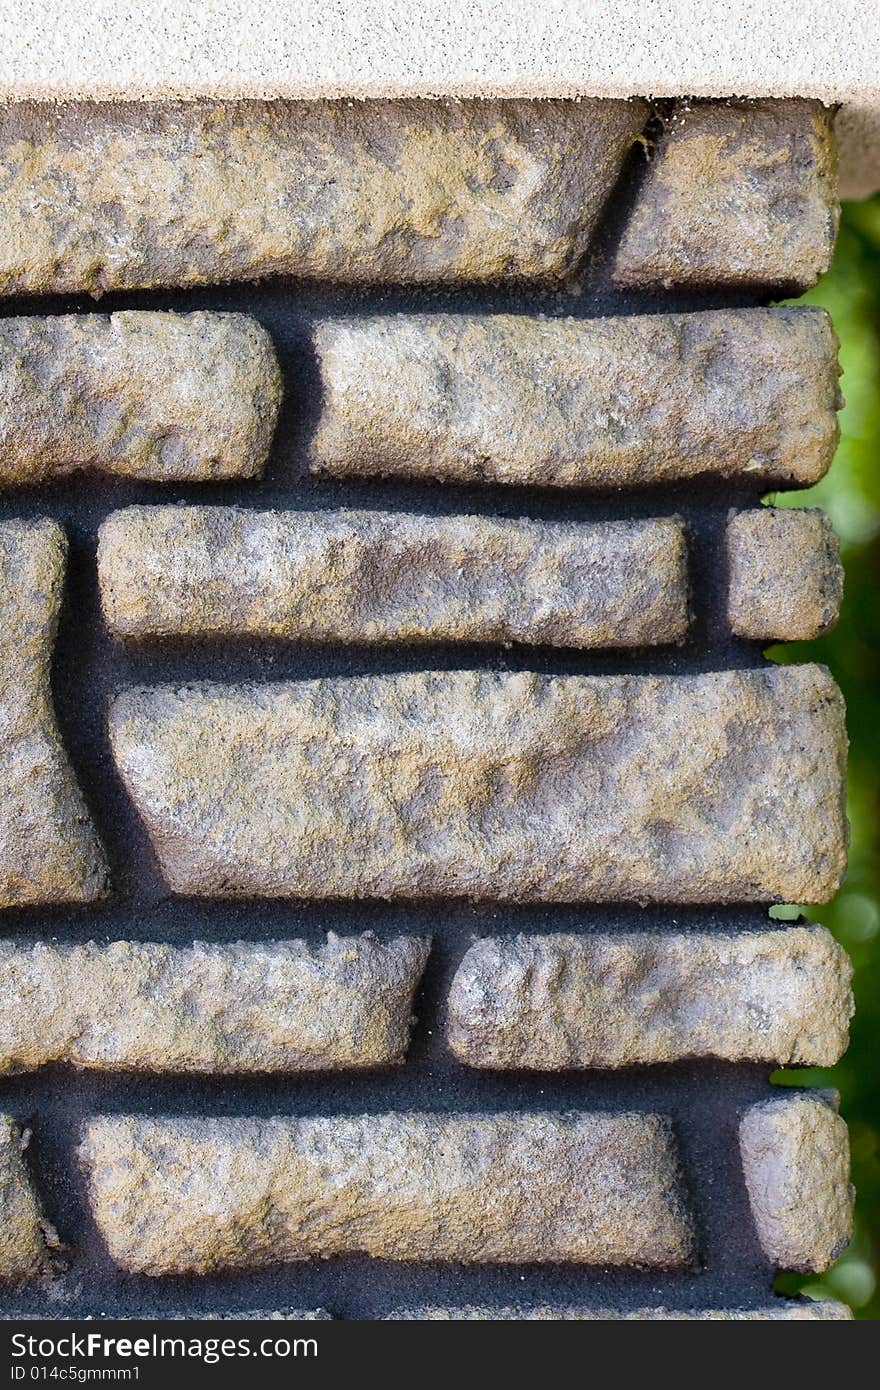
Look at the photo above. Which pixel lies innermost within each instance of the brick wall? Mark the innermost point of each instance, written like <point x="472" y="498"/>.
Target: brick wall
<point x="394" y="786"/>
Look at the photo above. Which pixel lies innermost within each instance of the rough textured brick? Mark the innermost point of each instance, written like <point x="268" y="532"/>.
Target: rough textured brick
<point x="193" y="1195"/>
<point x="793" y="1311"/>
<point x="740" y="393"/>
<point x="348" y="576"/>
<point x="507" y="786"/>
<point x="27" y="1241"/>
<point x="735" y="193"/>
<point x="240" y="1007"/>
<point x="158" y="396"/>
<point x="111" y="196"/>
<point x="49" y="851"/>
<point x="795" y="1156"/>
<point x="785" y="579"/>
<point x="618" y="1000"/>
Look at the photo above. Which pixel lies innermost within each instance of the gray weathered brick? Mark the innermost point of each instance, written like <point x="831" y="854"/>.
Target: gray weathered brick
<point x="795" y="1157"/>
<point x="158" y="396"/>
<point x="195" y="1195"/>
<point x="49" y="851"/>
<point x="114" y="196"/>
<point x="347" y="576"/>
<point x="626" y="999"/>
<point x="28" y="1244"/>
<point x="238" y="1007"/>
<point x="724" y="786"/>
<point x="785" y="579"/>
<point x="736" y="193"/>
<point x="788" y="1311"/>
<point x="629" y="401"/>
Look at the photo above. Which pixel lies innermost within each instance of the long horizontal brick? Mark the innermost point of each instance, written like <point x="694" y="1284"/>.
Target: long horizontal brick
<point x="49" y="851"/>
<point x="28" y="1244"/>
<point x="114" y="196"/>
<point x="782" y="1311"/>
<point x="785" y="579"/>
<point x="195" y="1195"/>
<point x="240" y="1007"/>
<point x="726" y="786"/>
<point x="162" y="397"/>
<point x="795" y="1158"/>
<point x="625" y="999"/>
<point x="735" y="193"/>
<point x="630" y="401"/>
<point x="346" y="576"/>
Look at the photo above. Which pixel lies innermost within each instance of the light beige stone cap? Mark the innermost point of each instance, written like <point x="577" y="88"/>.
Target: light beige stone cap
<point x="109" y="49"/>
<point x="795" y="1158"/>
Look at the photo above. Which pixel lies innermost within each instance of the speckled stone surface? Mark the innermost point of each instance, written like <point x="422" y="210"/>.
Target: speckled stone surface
<point x="513" y="787"/>
<point x="49" y="851"/>
<point x="193" y="1195"/>
<point x="29" y="1247"/>
<point x="785" y="579"/>
<point x="804" y="1311"/>
<point x="795" y="1157"/>
<point x="627" y="999"/>
<point x="364" y="576"/>
<point x="213" y="1008"/>
<point x="735" y="193"/>
<point x="394" y="192"/>
<point x="162" y="397"/>
<point x="557" y="402"/>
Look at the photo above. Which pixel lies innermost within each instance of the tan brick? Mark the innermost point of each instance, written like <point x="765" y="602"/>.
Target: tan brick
<point x="27" y="1241"/>
<point x="626" y="999"/>
<point x="785" y="579"/>
<point x="620" y="402"/>
<point x="240" y="1007"/>
<point x="120" y="196"/>
<point x="347" y="576"/>
<point x="195" y="1195"/>
<point x="792" y="1311"/>
<point x="795" y="1156"/>
<point x="158" y="396"/>
<point x="725" y="786"/>
<point x="735" y="193"/>
<point x="49" y="852"/>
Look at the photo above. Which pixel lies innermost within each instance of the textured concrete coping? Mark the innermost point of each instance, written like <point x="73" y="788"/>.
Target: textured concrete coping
<point x="785" y="579"/>
<point x="633" y="998"/>
<point x="162" y="397"/>
<point x="363" y="576"/>
<point x="29" y="1246"/>
<point x="399" y="192"/>
<point x="791" y="1311"/>
<point x="513" y="787"/>
<point x="562" y="402"/>
<point x="49" y="851"/>
<point x="795" y="1157"/>
<point x="189" y="1195"/>
<point x="240" y="1007"/>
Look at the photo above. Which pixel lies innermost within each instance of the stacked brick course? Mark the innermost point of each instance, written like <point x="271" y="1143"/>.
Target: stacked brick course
<point x="405" y="939"/>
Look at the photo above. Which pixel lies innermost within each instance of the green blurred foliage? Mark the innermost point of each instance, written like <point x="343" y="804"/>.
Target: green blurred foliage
<point x="851" y="495"/>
